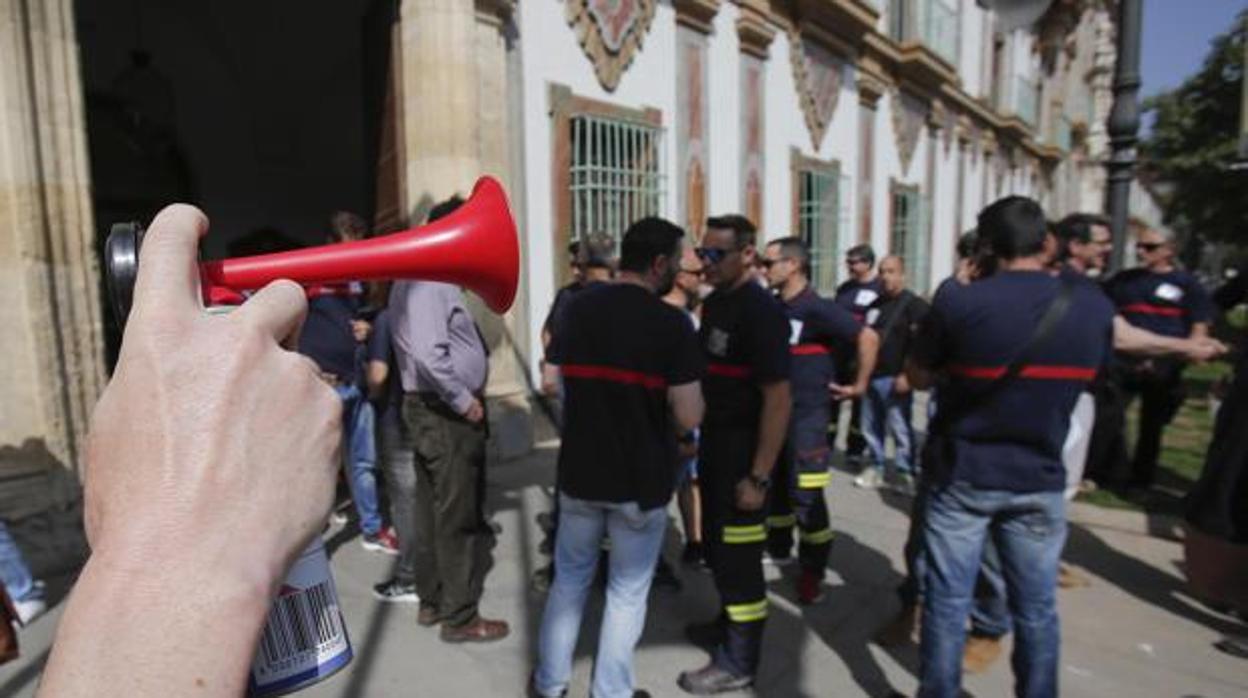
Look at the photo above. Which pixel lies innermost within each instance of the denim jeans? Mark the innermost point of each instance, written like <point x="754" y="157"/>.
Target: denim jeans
<point x="1029" y="530"/>
<point x="14" y="572"/>
<point x="886" y="412"/>
<point x="636" y="537"/>
<point x="399" y="469"/>
<point x="359" y="456"/>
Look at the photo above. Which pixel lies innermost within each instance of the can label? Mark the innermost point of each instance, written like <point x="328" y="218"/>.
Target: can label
<point x="305" y="639"/>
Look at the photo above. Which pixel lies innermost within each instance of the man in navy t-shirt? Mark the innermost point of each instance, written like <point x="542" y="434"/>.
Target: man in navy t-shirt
<point x="744" y="335"/>
<point x="630" y="365"/>
<point x="819" y="330"/>
<point x="995" y="450"/>
<point x="857" y="295"/>
<point x="1167" y="301"/>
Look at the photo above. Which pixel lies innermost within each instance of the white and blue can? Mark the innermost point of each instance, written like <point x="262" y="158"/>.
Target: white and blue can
<point x="305" y="639"/>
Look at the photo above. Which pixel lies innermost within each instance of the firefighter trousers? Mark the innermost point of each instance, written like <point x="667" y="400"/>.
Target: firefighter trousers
<point x="797" y="500"/>
<point x="734" y="541"/>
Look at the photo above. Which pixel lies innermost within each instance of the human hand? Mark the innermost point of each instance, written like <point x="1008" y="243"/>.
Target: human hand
<point x="475" y="412"/>
<point x="1202" y="349"/>
<point x="750" y="497"/>
<point x="360" y="329"/>
<point x="213" y="447"/>
<point x="687" y="449"/>
<point x="843" y="392"/>
<point x="901" y="384"/>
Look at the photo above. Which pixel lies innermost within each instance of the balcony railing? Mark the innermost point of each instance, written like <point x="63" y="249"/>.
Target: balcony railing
<point x="931" y="22"/>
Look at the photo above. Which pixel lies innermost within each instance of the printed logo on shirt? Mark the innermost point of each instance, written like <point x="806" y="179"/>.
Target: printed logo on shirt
<point x="717" y="342"/>
<point x="1169" y="292"/>
<point x="795" y="333"/>
<point x="872" y="316"/>
<point x="865" y="297"/>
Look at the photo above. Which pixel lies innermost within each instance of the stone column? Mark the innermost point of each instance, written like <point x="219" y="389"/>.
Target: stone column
<point x="455" y="112"/>
<point x="52" y="343"/>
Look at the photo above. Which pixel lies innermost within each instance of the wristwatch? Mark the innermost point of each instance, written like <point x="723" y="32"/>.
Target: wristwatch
<point x="762" y="483"/>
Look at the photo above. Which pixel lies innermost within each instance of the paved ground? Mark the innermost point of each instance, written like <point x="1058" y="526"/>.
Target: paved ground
<point x="1134" y="632"/>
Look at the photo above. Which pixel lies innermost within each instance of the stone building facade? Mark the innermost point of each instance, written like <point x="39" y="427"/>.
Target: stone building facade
<point x="889" y="122"/>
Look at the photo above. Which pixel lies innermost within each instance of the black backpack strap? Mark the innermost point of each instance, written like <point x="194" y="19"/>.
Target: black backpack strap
<point x="1057" y="310"/>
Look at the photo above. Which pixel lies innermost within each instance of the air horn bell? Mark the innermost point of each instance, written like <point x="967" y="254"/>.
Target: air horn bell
<point x="474" y="247"/>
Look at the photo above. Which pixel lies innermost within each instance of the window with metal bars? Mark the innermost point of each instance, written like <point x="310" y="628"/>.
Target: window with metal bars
<point x="909" y="239"/>
<point x="822" y="213"/>
<point x="616" y="174"/>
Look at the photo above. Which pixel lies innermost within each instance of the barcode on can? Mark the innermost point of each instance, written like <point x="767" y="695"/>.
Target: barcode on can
<point x="300" y="622"/>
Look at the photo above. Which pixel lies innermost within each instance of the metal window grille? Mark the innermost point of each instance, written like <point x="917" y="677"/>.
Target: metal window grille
<point x="909" y="237"/>
<point x="818" y="213"/>
<point x="616" y="176"/>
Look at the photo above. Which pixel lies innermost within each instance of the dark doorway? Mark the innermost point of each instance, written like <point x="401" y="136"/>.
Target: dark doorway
<point x="265" y="115"/>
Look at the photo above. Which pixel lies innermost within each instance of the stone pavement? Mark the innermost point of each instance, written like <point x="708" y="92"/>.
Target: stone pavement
<point x="1133" y="632"/>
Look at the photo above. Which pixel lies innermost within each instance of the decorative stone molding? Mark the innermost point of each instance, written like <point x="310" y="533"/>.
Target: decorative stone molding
<point x="943" y="120"/>
<point x="870" y="88"/>
<point x="698" y="14"/>
<point x="611" y="33"/>
<point x="753" y="30"/>
<point x="818" y="75"/>
<point x="909" y="115"/>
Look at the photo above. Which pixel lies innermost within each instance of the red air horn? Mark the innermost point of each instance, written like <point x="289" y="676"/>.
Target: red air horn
<point x="474" y="247"/>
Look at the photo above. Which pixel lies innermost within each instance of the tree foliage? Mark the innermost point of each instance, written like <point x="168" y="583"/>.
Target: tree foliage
<point x="1193" y="146"/>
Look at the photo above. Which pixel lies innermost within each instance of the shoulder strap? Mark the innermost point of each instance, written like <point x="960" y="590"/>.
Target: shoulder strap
<point x="1054" y="314"/>
<point x="898" y="313"/>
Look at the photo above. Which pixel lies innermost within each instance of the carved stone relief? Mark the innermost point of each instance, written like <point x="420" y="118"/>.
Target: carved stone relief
<point x="909" y="115"/>
<point x="818" y="75"/>
<point x="611" y="33"/>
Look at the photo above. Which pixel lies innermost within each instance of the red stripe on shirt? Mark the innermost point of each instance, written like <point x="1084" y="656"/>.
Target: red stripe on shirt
<point x="1150" y="309"/>
<point x="614" y="375"/>
<point x="1034" y="371"/>
<point x="728" y="370"/>
<point x="808" y="349"/>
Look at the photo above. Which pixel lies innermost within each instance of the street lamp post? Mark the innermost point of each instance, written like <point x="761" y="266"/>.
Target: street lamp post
<point x="1124" y="122"/>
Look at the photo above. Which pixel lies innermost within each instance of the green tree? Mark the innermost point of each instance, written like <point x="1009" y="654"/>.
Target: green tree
<point x="1192" y="147"/>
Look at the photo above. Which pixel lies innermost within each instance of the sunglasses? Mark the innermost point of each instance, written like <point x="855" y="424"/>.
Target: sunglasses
<point x="1149" y="246"/>
<point x="712" y="255"/>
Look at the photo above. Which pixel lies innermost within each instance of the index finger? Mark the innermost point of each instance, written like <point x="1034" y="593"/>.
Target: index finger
<point x="168" y="275"/>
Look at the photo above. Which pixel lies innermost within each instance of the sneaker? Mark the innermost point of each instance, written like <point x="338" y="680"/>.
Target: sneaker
<point x="809" y="588"/>
<point x="29" y="610"/>
<point x="870" y="479"/>
<point x="904" y="484"/>
<point x="383" y="541"/>
<point x="711" y="679"/>
<point x="980" y="652"/>
<point x="338" y="517"/>
<point x="392" y="591"/>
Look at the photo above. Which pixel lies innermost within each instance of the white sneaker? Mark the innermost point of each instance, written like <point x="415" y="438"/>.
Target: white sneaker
<point x="28" y="611"/>
<point x="870" y="479"/>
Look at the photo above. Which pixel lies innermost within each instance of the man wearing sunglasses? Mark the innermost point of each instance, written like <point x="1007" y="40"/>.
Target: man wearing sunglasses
<point x="744" y="336"/>
<point x="819" y="330"/>
<point x="1159" y="297"/>
<point x="857" y="294"/>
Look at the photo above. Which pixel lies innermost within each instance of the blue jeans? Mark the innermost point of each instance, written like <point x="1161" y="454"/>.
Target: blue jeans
<point x="14" y="572"/>
<point x="359" y="454"/>
<point x="883" y="409"/>
<point x="636" y="537"/>
<point x="1029" y="530"/>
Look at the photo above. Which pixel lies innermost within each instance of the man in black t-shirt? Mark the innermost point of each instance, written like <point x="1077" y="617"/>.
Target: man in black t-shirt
<point x="630" y="366"/>
<point x="886" y="408"/>
<point x="744" y="335"/>
<point x="856" y="294"/>
<point x="819" y="330"/>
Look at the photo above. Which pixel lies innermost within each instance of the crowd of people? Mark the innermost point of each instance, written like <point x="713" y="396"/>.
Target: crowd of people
<point x="711" y="372"/>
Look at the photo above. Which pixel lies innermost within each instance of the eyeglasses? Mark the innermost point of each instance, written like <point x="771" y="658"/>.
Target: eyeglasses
<point x="712" y="255"/>
<point x="1149" y="246"/>
<point x="851" y="261"/>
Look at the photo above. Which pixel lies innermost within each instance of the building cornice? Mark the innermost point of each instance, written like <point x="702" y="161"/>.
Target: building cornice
<point x="696" y="14"/>
<point x="753" y="30"/>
